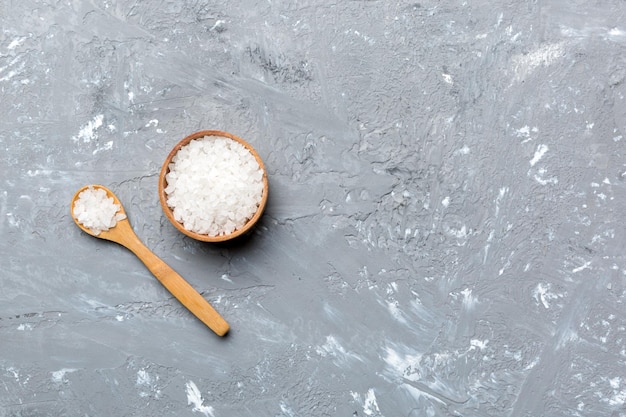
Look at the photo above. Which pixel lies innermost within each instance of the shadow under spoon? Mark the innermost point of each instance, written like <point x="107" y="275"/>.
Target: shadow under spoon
<point x="124" y="234"/>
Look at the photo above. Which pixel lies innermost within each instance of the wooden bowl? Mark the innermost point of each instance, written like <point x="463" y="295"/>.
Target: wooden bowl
<point x="163" y="184"/>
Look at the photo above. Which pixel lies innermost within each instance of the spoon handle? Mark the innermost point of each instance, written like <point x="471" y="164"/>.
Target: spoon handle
<point x="180" y="288"/>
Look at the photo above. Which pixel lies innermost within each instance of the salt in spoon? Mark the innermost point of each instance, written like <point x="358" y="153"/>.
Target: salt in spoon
<point x="123" y="234"/>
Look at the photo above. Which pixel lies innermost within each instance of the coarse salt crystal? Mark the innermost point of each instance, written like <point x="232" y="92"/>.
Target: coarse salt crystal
<point x="96" y="211"/>
<point x="214" y="185"/>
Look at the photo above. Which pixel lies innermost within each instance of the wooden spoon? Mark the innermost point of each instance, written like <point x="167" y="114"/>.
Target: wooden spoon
<point x="123" y="234"/>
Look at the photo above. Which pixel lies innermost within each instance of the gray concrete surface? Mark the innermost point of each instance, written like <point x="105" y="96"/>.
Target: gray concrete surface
<point x="443" y="237"/>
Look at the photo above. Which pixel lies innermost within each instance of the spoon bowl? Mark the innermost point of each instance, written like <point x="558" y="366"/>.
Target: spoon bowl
<point x="124" y="234"/>
<point x="121" y="230"/>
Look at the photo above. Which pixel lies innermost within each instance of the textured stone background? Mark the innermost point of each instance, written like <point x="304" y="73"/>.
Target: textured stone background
<point x="443" y="234"/>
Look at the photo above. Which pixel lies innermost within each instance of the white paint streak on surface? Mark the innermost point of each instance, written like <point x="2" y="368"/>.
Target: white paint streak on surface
<point x="539" y="177"/>
<point x="546" y="55"/>
<point x="194" y="397"/>
<point x="16" y="42"/>
<point x="403" y="365"/>
<point x="568" y="335"/>
<point x="618" y="399"/>
<point x="543" y="294"/>
<point x="332" y="348"/>
<point x="14" y="372"/>
<point x="523" y="132"/>
<point x="582" y="267"/>
<point x="131" y="95"/>
<point x="480" y="344"/>
<point x="59" y="376"/>
<point x="613" y="34"/>
<point x="88" y="132"/>
<point x="469" y="301"/>
<point x="615" y="382"/>
<point x="539" y="153"/>
<point x="370" y="407"/>
<point x="218" y="24"/>
<point x="458" y="233"/>
<point x="526" y="133"/>
<point x="366" y="38"/>
<point x="12" y="73"/>
<point x="395" y="311"/>
<point x="368" y="402"/>
<point x="617" y="32"/>
<point x="618" y="396"/>
<point x="501" y="193"/>
<point x="286" y="409"/>
<point x="106" y="147"/>
<point x="143" y="377"/>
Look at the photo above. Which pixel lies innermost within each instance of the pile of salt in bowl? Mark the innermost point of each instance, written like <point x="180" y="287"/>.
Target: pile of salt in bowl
<point x="95" y="210"/>
<point x="214" y="185"/>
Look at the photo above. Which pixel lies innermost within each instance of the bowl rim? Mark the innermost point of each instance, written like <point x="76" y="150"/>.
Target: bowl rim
<point x="163" y="184"/>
